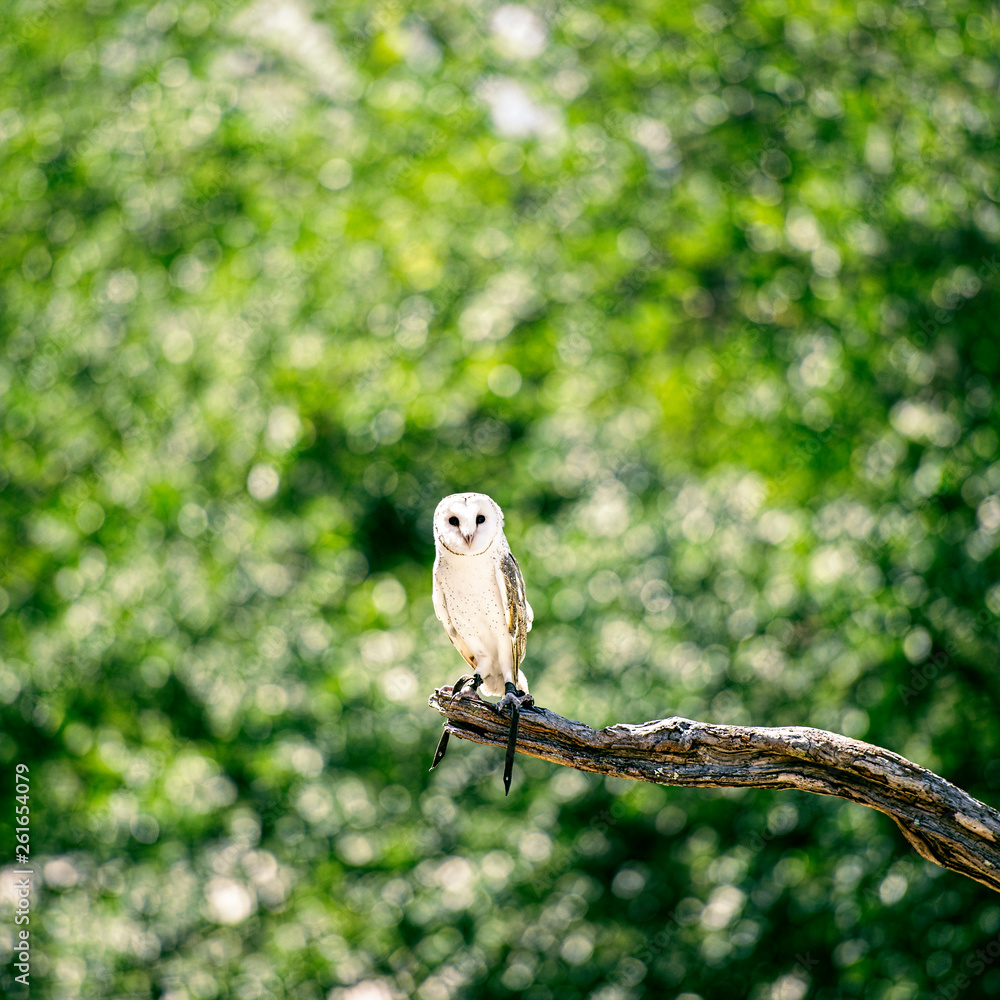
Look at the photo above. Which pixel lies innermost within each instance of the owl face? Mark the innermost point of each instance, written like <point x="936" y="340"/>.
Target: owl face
<point x="466" y="523"/>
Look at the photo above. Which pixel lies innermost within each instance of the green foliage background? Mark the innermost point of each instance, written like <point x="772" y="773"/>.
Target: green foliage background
<point x="704" y="295"/>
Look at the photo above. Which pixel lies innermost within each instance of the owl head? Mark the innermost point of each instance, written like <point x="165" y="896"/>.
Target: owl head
<point x="466" y="523"/>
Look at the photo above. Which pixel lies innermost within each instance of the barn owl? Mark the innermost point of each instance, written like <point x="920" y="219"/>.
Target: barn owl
<point x="479" y="598"/>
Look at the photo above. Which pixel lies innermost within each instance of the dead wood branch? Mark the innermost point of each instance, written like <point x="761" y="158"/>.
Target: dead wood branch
<point x="943" y="823"/>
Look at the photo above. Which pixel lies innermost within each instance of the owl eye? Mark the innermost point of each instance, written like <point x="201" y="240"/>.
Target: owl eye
<point x="453" y="520"/>
<point x="480" y="519"/>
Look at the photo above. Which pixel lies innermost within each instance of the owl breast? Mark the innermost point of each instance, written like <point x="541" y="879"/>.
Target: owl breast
<point x="477" y="612"/>
<point x="473" y="598"/>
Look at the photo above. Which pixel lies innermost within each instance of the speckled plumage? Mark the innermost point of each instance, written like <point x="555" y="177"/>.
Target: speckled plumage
<point x="478" y="590"/>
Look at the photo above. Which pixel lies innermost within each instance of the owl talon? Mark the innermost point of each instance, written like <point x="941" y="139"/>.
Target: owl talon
<point x="466" y="680"/>
<point x="459" y="685"/>
<point x="514" y="698"/>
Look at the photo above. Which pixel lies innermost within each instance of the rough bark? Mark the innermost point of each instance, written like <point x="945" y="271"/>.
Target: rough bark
<point x="943" y="823"/>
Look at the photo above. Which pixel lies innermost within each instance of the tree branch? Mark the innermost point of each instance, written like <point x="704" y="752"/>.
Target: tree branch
<point x="943" y="823"/>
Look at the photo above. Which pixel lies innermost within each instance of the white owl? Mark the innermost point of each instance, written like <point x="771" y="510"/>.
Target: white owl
<point x="479" y="598"/>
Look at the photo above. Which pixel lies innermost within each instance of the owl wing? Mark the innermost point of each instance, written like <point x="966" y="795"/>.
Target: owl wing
<point x="444" y="617"/>
<point x="518" y="610"/>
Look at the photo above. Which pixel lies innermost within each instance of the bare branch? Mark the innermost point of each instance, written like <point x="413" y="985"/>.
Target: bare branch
<point x="943" y="823"/>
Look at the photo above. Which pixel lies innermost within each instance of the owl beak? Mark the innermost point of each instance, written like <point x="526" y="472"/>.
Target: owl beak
<point x="468" y="539"/>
